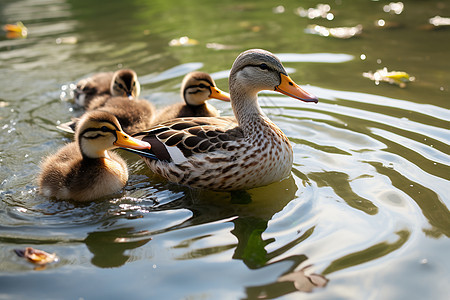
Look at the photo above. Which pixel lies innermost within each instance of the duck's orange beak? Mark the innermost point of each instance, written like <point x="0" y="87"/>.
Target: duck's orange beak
<point x="219" y="94"/>
<point x="291" y="89"/>
<point x="126" y="141"/>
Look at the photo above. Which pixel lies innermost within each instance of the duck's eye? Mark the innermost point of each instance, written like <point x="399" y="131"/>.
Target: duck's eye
<point x="120" y="85"/>
<point x="201" y="85"/>
<point x="104" y="129"/>
<point x="264" y="67"/>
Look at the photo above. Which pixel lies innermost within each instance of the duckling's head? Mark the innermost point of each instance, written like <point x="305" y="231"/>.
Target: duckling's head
<point x="125" y="84"/>
<point x="98" y="131"/>
<point x="197" y="87"/>
<point x="256" y="70"/>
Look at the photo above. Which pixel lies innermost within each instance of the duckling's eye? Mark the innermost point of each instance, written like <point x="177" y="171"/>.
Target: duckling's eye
<point x="104" y="129"/>
<point x="201" y="85"/>
<point x="264" y="67"/>
<point x="120" y="86"/>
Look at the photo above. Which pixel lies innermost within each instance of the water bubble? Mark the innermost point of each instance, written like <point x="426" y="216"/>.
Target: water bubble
<point x="379" y="61"/>
<point x="363" y="57"/>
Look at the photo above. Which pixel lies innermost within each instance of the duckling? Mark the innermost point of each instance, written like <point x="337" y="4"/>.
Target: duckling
<point x="120" y="83"/>
<point x="196" y="88"/>
<point x="84" y="170"/>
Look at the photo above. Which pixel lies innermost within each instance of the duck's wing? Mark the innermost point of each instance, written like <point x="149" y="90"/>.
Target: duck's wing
<point x="178" y="139"/>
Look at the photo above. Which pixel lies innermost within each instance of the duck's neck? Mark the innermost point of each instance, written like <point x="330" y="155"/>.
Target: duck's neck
<point x="248" y="113"/>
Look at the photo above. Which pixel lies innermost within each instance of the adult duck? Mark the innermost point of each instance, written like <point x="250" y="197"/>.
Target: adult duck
<point x="85" y="170"/>
<point x="229" y="153"/>
<point x="196" y="89"/>
<point x="120" y="83"/>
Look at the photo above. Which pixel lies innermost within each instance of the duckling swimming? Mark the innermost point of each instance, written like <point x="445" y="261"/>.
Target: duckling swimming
<point x="196" y="89"/>
<point x="120" y="83"/>
<point x="85" y="170"/>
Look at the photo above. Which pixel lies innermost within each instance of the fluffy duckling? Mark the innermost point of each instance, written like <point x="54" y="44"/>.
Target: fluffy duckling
<point x="196" y="88"/>
<point x="120" y="83"/>
<point x="85" y="170"/>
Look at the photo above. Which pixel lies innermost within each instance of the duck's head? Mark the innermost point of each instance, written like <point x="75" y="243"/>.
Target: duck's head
<point x="197" y="87"/>
<point x="256" y="70"/>
<point x="125" y="84"/>
<point x="99" y="131"/>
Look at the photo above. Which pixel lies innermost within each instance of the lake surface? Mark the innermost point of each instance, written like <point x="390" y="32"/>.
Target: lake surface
<point x="364" y="214"/>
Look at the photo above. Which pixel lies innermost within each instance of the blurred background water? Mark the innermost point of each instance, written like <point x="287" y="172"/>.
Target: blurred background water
<point x="364" y="214"/>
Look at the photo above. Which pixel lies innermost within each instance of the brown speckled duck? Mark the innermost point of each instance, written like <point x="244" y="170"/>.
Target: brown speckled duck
<point x="85" y="170"/>
<point x="223" y="153"/>
<point x="122" y="83"/>
<point x="196" y="89"/>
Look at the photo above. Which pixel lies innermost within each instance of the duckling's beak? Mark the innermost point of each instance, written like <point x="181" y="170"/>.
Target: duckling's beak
<point x="291" y="89"/>
<point x="219" y="94"/>
<point x="126" y="141"/>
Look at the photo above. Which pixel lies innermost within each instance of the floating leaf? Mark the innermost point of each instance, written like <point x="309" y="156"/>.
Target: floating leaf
<point x="36" y="256"/>
<point x="337" y="32"/>
<point x="393" y="77"/>
<point x="304" y="280"/>
<point x="15" y="30"/>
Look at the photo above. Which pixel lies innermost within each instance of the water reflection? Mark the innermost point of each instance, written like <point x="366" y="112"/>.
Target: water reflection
<point x="109" y="247"/>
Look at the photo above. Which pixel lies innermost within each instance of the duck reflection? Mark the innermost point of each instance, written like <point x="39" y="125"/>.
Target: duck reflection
<point x="108" y="247"/>
<point x="251" y="247"/>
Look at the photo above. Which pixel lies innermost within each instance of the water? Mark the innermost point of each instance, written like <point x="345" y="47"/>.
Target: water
<point x="364" y="214"/>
